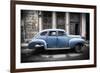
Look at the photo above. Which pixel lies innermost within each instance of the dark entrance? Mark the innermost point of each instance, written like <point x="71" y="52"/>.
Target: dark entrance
<point x="75" y="23"/>
<point x="47" y="19"/>
<point x="60" y="20"/>
<point x="87" y="26"/>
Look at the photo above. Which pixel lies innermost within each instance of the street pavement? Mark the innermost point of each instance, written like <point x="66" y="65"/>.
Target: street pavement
<point x="27" y="55"/>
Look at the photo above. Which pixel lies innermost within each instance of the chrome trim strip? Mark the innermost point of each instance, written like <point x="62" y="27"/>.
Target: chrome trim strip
<point x="57" y="48"/>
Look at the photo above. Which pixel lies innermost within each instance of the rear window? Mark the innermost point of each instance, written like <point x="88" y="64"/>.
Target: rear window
<point x="61" y="33"/>
<point x="43" y="33"/>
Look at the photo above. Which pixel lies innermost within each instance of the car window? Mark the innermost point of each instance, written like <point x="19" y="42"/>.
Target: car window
<point x="43" y="33"/>
<point x="52" y="33"/>
<point x="61" y="33"/>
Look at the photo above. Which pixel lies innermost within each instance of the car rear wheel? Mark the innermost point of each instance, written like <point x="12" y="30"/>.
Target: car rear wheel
<point x="78" y="48"/>
<point x="38" y="49"/>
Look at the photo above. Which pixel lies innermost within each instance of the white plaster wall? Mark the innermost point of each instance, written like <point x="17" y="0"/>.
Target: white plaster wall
<point x="83" y="25"/>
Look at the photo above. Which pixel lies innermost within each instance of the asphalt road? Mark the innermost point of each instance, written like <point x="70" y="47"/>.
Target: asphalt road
<point x="56" y="55"/>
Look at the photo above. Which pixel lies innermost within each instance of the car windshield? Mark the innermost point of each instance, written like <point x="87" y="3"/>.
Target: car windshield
<point x="43" y="33"/>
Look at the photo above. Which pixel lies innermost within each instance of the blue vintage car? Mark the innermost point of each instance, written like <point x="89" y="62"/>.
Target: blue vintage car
<point x="56" y="39"/>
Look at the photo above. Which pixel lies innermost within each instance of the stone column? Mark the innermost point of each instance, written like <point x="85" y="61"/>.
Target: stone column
<point x="67" y="22"/>
<point x="54" y="20"/>
<point x="40" y="20"/>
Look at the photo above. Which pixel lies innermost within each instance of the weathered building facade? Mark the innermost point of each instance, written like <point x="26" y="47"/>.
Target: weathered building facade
<point x="34" y="21"/>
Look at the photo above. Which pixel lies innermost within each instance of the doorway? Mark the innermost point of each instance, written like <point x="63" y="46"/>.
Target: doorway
<point x="74" y="23"/>
<point x="74" y="28"/>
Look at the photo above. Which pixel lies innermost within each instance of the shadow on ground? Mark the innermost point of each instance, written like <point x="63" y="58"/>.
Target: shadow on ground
<point x="53" y="55"/>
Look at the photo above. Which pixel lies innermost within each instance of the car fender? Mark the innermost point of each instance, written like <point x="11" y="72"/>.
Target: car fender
<point x="38" y="41"/>
<point x="74" y="41"/>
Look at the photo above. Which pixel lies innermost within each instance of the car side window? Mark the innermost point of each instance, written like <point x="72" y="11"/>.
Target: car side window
<point x="52" y="33"/>
<point x="43" y="33"/>
<point x="61" y="33"/>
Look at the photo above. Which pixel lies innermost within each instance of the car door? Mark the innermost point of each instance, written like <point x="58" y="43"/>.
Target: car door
<point x="52" y="39"/>
<point x="62" y="40"/>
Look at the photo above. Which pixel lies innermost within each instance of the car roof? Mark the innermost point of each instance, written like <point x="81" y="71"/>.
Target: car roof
<point x="52" y="30"/>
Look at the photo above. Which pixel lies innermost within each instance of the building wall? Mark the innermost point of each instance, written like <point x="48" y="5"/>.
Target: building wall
<point x="29" y="24"/>
<point x="34" y="21"/>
